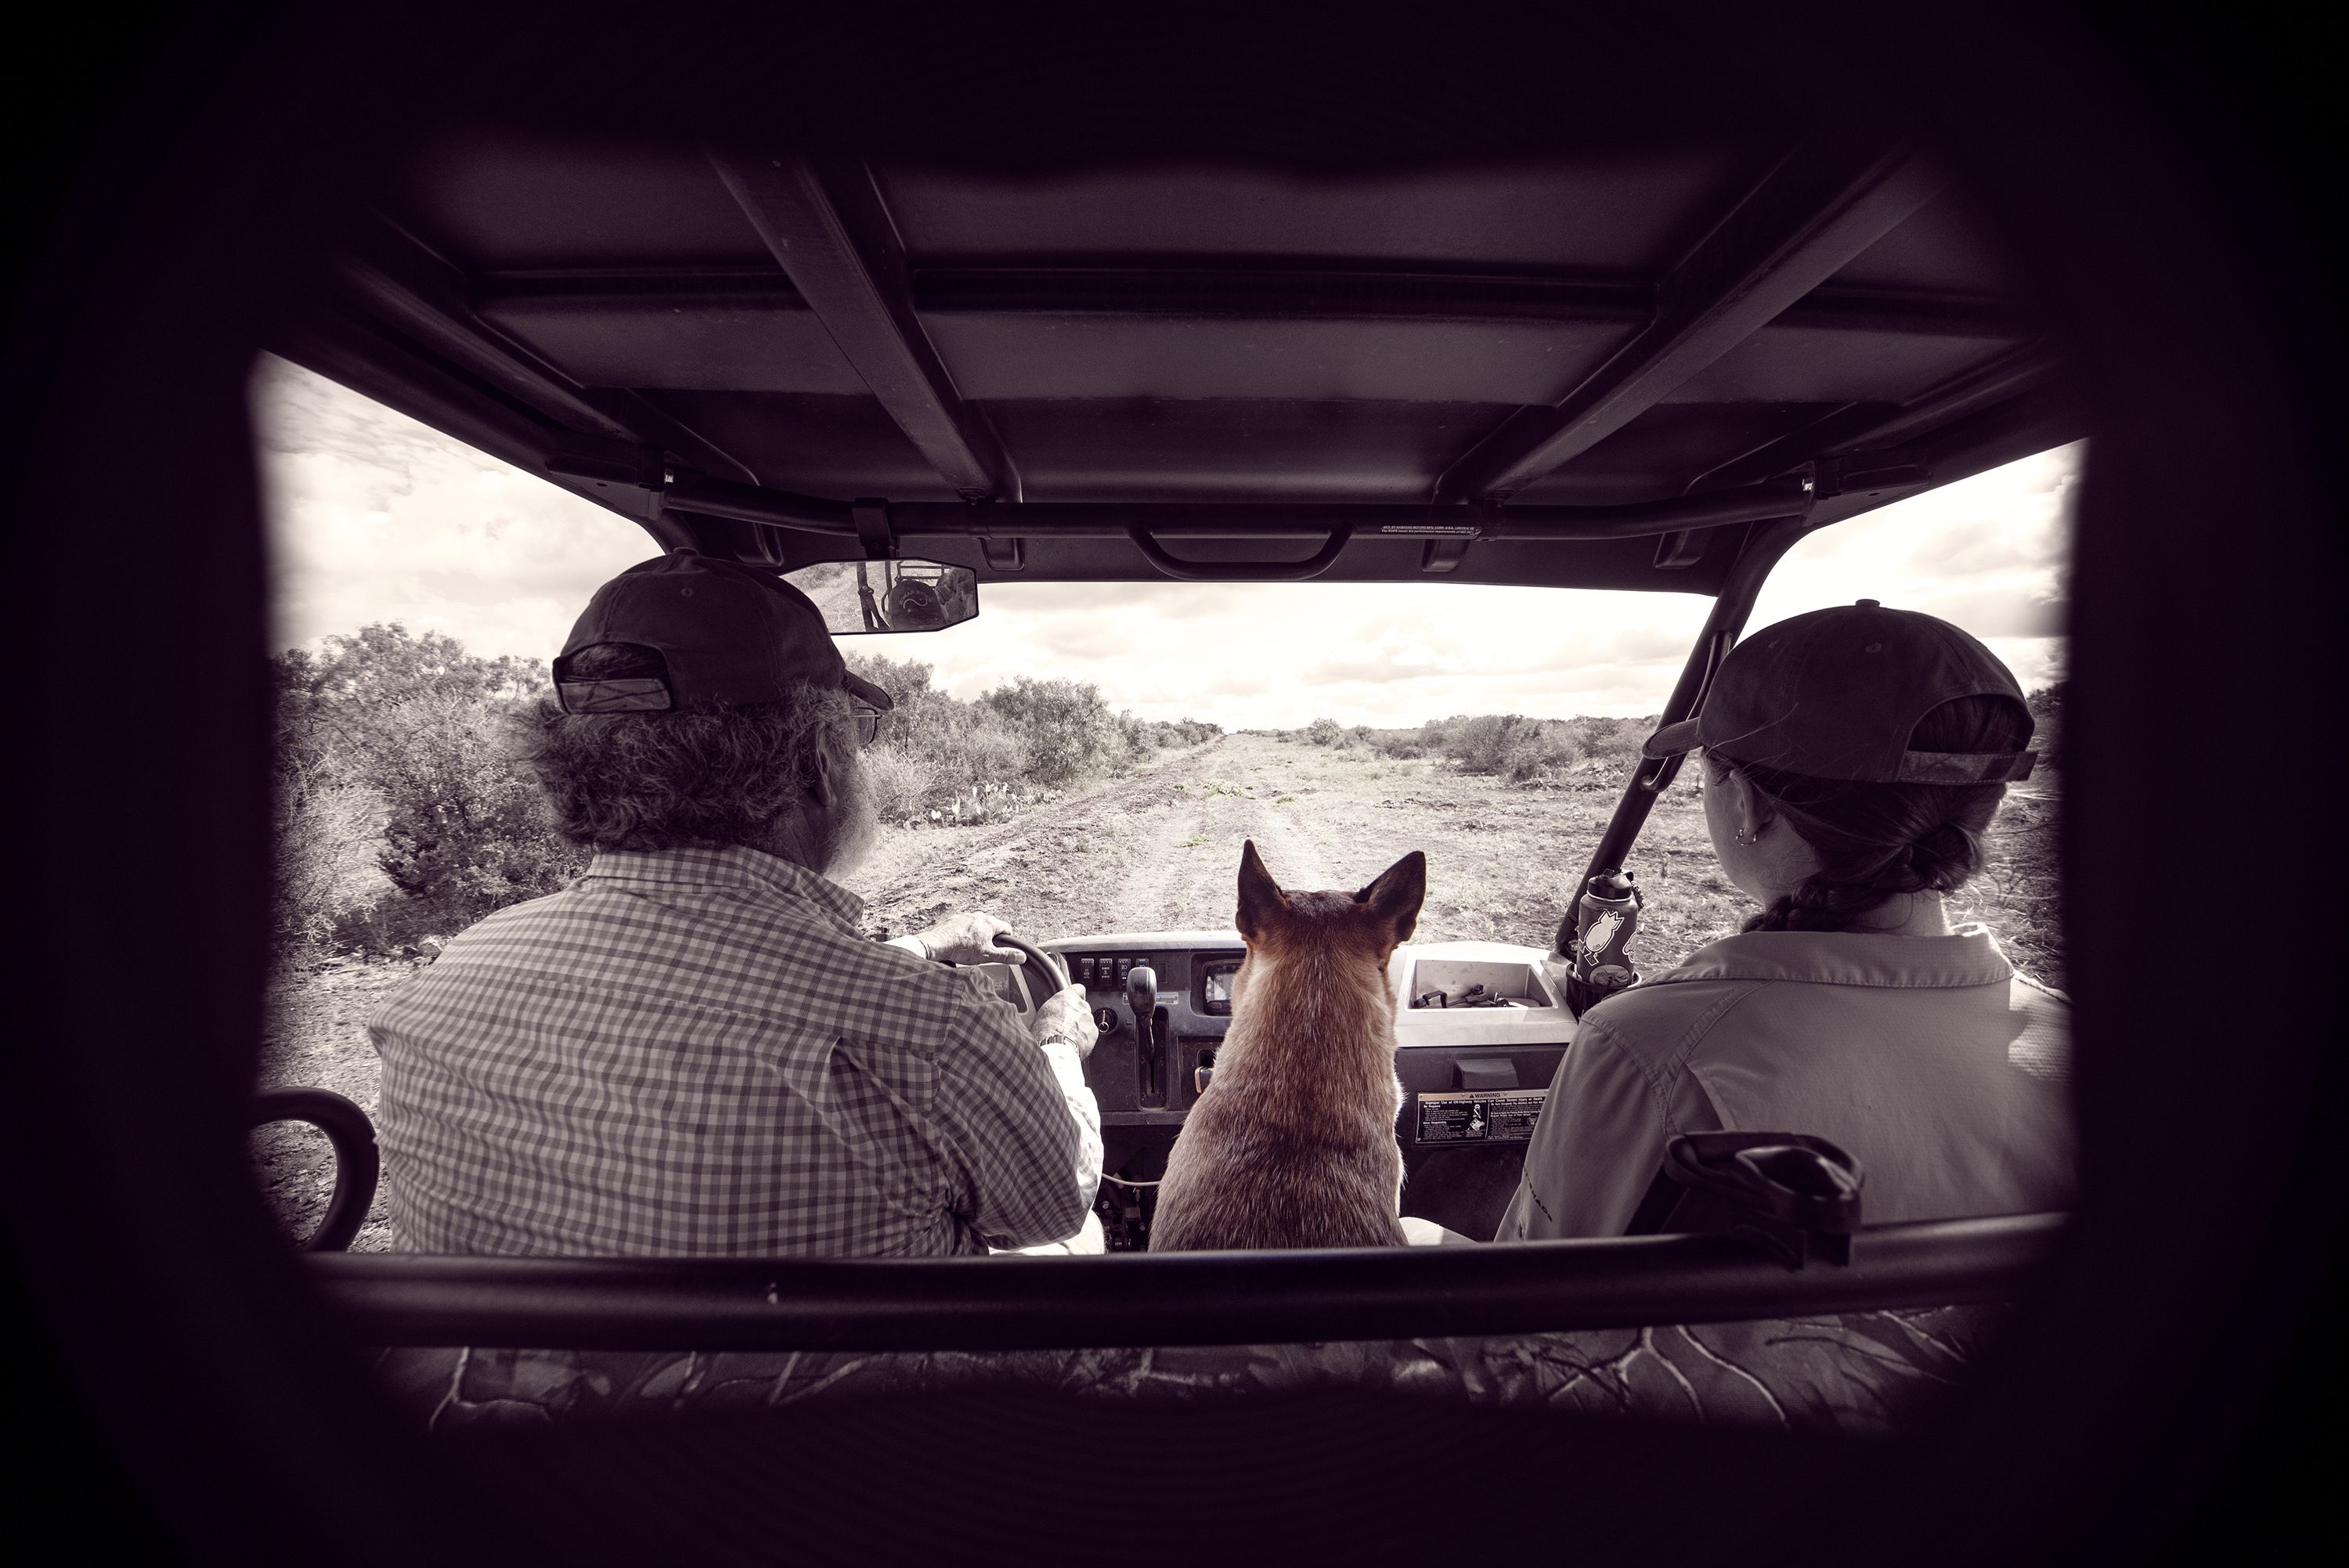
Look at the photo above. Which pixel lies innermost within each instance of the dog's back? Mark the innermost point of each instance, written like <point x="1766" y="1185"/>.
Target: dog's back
<point x="1293" y="1145"/>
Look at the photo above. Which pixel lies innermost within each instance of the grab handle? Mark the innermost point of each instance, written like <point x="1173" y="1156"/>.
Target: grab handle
<point x="356" y="1162"/>
<point x="1183" y="570"/>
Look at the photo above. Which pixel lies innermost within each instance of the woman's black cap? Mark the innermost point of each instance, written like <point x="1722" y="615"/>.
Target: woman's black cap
<point x="1836" y="694"/>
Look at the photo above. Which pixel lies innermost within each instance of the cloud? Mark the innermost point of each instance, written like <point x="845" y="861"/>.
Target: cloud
<point x="1990" y="553"/>
<point x="377" y="518"/>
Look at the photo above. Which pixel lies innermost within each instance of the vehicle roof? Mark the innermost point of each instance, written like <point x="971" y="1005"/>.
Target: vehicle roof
<point x="1512" y="371"/>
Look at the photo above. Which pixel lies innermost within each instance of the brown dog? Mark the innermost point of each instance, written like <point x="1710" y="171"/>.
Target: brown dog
<point x="1293" y="1144"/>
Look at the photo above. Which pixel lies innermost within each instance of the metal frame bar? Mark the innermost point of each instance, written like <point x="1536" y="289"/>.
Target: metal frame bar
<point x="409" y="378"/>
<point x="830" y="232"/>
<point x="1815" y="211"/>
<point x="1253" y="293"/>
<point x="1650" y="777"/>
<point x="1168" y="1298"/>
<point x="1088" y="520"/>
<point x="358" y="1162"/>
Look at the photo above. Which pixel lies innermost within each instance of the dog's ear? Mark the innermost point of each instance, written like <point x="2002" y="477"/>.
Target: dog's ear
<point x="1395" y="894"/>
<point x="1261" y="900"/>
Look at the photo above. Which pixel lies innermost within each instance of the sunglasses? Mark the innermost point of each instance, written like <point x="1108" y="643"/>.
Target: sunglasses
<point x="868" y="724"/>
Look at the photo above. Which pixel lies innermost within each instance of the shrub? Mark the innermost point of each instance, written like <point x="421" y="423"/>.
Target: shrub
<point x="1519" y="749"/>
<point x="1396" y="743"/>
<point x="395" y="750"/>
<point x="965" y="744"/>
<point x="984" y="748"/>
<point x="1008" y="745"/>
<point x="327" y="835"/>
<point x="1138" y="740"/>
<point x="1514" y="747"/>
<point x="959" y="744"/>
<point x="903" y="782"/>
<point x="1611" y="741"/>
<point x="908" y="681"/>
<point x="2047" y="706"/>
<point x="1068" y="729"/>
<point x="467" y="830"/>
<point x="1324" y="732"/>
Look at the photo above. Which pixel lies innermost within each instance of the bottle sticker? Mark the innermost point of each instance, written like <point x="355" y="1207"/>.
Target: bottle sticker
<point x="1602" y="932"/>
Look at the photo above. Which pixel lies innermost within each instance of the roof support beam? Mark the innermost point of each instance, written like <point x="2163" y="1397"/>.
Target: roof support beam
<point x="394" y="278"/>
<point x="825" y="223"/>
<point x="2006" y="377"/>
<point x="1817" y="210"/>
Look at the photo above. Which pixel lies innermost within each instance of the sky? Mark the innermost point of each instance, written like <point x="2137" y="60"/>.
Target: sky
<point x="374" y="516"/>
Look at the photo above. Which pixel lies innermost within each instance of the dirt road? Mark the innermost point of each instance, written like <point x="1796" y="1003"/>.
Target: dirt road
<point x="1160" y="848"/>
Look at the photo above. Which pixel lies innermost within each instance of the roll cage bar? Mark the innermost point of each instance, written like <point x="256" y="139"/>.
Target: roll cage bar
<point x="1163" y="1298"/>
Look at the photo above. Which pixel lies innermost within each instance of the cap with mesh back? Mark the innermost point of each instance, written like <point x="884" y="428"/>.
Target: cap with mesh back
<point x="727" y="633"/>
<point x="1836" y="694"/>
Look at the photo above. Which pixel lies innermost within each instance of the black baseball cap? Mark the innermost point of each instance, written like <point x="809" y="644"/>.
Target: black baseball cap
<point x="1835" y="693"/>
<point x="727" y="633"/>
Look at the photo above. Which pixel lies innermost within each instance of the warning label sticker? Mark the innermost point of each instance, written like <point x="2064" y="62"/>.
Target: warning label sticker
<point x="1434" y="529"/>
<point x="1480" y="1117"/>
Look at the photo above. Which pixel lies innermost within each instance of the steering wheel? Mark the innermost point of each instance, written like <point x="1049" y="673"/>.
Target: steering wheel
<point x="1055" y="976"/>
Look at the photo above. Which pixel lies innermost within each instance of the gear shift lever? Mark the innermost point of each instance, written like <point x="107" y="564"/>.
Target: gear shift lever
<point x="1141" y="995"/>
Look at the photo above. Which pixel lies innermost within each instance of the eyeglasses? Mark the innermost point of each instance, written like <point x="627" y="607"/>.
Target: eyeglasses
<point x="868" y="724"/>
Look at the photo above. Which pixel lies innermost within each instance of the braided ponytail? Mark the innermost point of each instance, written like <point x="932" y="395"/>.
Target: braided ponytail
<point x="1877" y="842"/>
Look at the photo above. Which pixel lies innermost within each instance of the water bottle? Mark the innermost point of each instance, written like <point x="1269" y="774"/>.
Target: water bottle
<point x="1605" y="918"/>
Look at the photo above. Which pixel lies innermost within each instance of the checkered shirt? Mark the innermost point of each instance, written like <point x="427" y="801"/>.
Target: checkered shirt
<point x="694" y="1053"/>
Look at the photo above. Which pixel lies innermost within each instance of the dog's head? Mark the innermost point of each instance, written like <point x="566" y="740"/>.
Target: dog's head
<point x="1369" y="923"/>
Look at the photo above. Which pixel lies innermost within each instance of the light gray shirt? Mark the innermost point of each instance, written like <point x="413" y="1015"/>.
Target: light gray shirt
<point x="1928" y="1057"/>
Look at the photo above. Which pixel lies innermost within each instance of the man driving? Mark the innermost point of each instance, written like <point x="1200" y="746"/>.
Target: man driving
<point x="691" y="1051"/>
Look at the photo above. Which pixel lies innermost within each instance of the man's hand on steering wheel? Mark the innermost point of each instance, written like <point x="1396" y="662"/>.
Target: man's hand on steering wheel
<point x="968" y="938"/>
<point x="1068" y="1015"/>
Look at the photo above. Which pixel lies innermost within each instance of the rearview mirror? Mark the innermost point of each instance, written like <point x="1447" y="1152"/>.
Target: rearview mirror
<point x="861" y="596"/>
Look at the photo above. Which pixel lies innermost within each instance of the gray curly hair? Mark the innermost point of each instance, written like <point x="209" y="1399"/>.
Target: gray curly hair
<point x="696" y="777"/>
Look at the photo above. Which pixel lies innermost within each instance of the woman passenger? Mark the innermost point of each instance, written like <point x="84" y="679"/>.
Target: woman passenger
<point x="1852" y="760"/>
